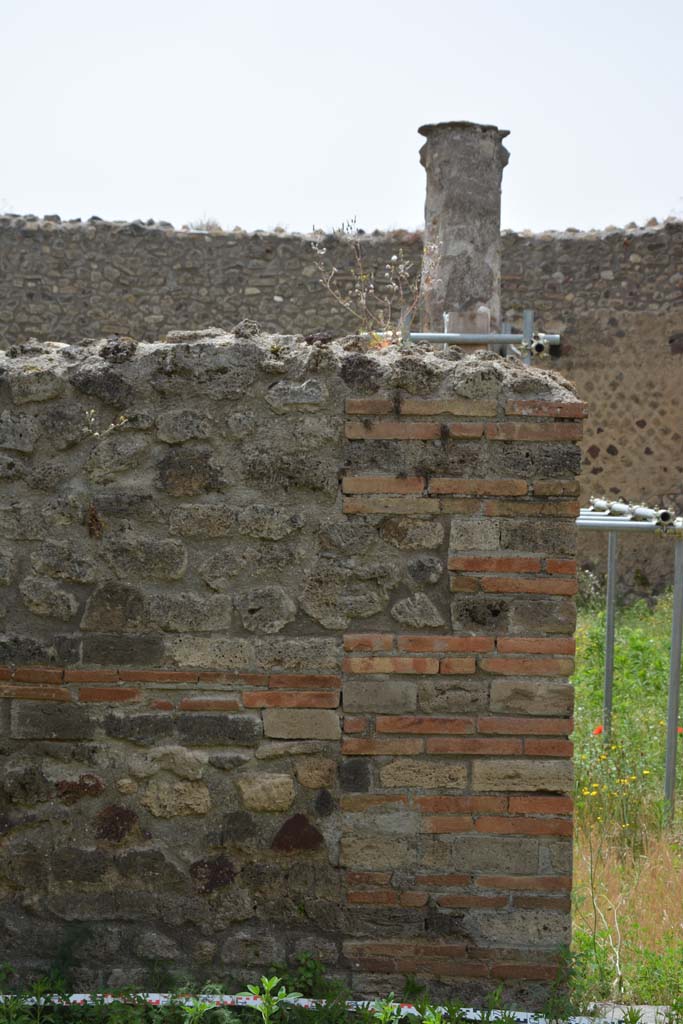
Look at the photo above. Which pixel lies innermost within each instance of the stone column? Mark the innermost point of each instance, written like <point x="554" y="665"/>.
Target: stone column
<point x="461" y="266"/>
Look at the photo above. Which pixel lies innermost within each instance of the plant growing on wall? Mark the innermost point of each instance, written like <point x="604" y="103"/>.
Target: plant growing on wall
<point x="381" y="300"/>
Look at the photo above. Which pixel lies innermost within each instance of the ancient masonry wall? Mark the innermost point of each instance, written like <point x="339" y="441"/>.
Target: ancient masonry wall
<point x="615" y="295"/>
<point x="286" y="636"/>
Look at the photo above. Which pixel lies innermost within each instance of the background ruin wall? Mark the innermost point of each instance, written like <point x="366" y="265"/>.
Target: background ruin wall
<point x="616" y="297"/>
<point x="286" y="632"/>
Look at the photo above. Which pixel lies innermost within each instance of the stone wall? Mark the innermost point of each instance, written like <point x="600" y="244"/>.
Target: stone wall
<point x="616" y="296"/>
<point x="286" y="636"/>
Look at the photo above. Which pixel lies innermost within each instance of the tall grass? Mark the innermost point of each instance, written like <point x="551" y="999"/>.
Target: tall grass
<point x="628" y="895"/>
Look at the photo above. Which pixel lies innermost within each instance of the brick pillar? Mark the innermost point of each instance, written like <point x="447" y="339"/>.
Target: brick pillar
<point x="457" y="820"/>
<point x="461" y="266"/>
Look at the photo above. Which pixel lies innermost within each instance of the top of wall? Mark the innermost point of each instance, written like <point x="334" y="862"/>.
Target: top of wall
<point x="53" y="222"/>
<point x="157" y="498"/>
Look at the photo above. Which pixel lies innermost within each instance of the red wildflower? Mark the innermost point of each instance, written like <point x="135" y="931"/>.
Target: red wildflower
<point x="680" y="729"/>
<point x="598" y="730"/>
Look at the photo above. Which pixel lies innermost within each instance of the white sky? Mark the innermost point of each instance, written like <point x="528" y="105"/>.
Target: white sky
<point x="297" y="113"/>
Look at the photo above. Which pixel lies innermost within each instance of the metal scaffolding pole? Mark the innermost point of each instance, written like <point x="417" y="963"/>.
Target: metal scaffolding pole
<point x="609" y="631"/>
<point x="615" y="517"/>
<point x="674" y="681"/>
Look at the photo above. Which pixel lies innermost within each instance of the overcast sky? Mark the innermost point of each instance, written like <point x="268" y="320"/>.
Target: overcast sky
<point x="297" y="113"/>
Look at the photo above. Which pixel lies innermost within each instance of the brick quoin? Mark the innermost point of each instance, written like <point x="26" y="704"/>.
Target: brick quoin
<point x="480" y="747"/>
<point x="470" y="563"/>
<point x="424" y="724"/>
<point x="401" y="666"/>
<point x="527" y="666"/>
<point x="477" y="488"/>
<point x="528" y="883"/>
<point x="355" y="724"/>
<point x="555" y="488"/>
<point x="108" y="694"/>
<point x="369" y="642"/>
<point x="38" y="675"/>
<point x="369" y="406"/>
<point x="522" y="585"/>
<point x="208" y="704"/>
<point x="535" y="645"/>
<point x="537" y="407"/>
<point x="561" y="566"/>
<point x="534" y="431"/>
<point x="35" y="693"/>
<point x="383" y="485"/>
<point x="429" y="644"/>
<point x="460" y="804"/>
<point x="562" y="509"/>
<point x="522" y="726"/>
<point x="452" y="406"/>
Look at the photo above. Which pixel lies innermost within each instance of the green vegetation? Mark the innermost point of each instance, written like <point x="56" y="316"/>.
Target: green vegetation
<point x="35" y="1005"/>
<point x="628" y="915"/>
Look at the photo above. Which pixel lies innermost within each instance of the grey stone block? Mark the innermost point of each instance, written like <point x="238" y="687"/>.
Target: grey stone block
<point x="219" y="730"/>
<point x="391" y="696"/>
<point x="45" y="720"/>
<point x="289" y="723"/>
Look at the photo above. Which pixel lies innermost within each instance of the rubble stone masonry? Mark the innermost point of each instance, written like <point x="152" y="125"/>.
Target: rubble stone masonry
<point x="616" y="297"/>
<point x="287" y="628"/>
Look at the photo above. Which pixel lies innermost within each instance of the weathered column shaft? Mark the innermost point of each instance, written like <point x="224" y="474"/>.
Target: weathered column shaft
<point x="461" y="267"/>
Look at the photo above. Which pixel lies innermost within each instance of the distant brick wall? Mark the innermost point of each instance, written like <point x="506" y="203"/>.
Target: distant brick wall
<point x="287" y="632"/>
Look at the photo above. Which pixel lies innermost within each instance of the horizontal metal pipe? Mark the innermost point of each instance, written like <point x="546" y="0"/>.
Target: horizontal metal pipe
<point x="611" y="523"/>
<point x="478" y="339"/>
<point x="614" y="523"/>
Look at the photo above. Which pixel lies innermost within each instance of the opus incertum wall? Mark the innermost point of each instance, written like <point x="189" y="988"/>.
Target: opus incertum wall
<point x="615" y="295"/>
<point x="286" y="636"/>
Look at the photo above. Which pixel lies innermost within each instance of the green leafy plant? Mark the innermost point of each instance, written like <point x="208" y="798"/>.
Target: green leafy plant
<point x="309" y="976"/>
<point x="386" y="1011"/>
<point x="272" y="998"/>
<point x="193" y="1011"/>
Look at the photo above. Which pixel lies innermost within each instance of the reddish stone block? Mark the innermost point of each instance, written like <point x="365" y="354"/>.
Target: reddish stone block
<point x="424" y="724"/>
<point x="548" y="748"/>
<point x="369" y="642"/>
<point x="523" y="826"/>
<point x="38" y="675"/>
<point x="428" y="644"/>
<point x="107" y="694"/>
<point x="542" y="407"/>
<point x="509" y="725"/>
<point x="400" y="666"/>
<point x="383" y="484"/>
<point x="478" y="563"/>
<point x="480" y="747"/>
<point x="209" y="704"/>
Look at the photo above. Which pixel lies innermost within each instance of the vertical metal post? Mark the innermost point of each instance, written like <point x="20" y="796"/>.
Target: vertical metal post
<point x="609" y="631"/>
<point x="528" y="332"/>
<point x="674" y="680"/>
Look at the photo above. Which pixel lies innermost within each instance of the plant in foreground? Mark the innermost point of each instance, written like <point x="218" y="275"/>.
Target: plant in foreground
<point x="271" y="1000"/>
